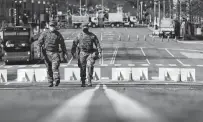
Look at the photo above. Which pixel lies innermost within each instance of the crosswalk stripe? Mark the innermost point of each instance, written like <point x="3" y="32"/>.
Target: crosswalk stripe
<point x="128" y="109"/>
<point x="74" y="109"/>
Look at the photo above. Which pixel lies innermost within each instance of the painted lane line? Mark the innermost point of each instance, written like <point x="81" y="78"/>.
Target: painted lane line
<point x="64" y="65"/>
<point x="131" y="65"/>
<point x="23" y="66"/>
<point x="199" y="65"/>
<point x="145" y="64"/>
<point x="144" y="55"/>
<point x="159" y="65"/>
<point x="143" y="51"/>
<point x="117" y="65"/>
<point x="36" y="66"/>
<point x="70" y="60"/>
<point x="172" y="65"/>
<point x="74" y="109"/>
<point x="174" y="57"/>
<point x="129" y="109"/>
<point x="8" y="67"/>
<point x="114" y="55"/>
<point x="148" y="61"/>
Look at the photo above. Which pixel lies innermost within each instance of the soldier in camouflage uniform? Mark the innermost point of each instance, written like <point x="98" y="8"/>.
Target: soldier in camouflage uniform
<point x="87" y="54"/>
<point x="49" y="42"/>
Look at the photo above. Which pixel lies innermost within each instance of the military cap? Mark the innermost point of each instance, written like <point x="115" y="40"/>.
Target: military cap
<point x="52" y="23"/>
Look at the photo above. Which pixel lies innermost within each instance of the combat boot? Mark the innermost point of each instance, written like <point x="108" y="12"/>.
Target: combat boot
<point x="83" y="84"/>
<point x="89" y="84"/>
<point x="51" y="85"/>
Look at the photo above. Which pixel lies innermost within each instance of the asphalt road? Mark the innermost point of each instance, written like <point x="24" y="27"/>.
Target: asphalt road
<point x="103" y="102"/>
<point x="134" y="46"/>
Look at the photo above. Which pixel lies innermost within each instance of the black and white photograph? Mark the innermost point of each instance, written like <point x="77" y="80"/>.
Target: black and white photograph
<point x="101" y="60"/>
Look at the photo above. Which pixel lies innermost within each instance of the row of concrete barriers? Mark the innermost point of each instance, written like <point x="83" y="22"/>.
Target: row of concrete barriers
<point x="111" y="74"/>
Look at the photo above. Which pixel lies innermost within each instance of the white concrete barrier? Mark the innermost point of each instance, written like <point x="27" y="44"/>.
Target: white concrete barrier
<point x="3" y="76"/>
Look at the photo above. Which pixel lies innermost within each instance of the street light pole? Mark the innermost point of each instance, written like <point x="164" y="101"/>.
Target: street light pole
<point x="39" y="15"/>
<point x="32" y="10"/>
<point x="159" y="12"/>
<point x="164" y="8"/>
<point x="141" y="6"/>
<point x="80" y="8"/>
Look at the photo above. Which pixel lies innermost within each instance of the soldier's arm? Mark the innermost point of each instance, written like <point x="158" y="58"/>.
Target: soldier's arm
<point x="74" y="45"/>
<point x="62" y="43"/>
<point x="97" y="44"/>
<point x="40" y="42"/>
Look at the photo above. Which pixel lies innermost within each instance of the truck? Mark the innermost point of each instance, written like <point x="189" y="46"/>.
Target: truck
<point x="114" y="20"/>
<point x="166" y="28"/>
<point x="77" y="21"/>
<point x="130" y="21"/>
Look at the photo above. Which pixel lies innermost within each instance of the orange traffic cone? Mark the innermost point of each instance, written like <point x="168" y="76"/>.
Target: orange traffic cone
<point x="168" y="38"/>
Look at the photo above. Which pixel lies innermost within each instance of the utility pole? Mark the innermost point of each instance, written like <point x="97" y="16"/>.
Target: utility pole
<point x="33" y="10"/>
<point x="80" y="8"/>
<point x="170" y="12"/>
<point x="155" y="17"/>
<point x="138" y="13"/>
<point x="141" y="6"/>
<point x="164" y="8"/>
<point x="159" y="12"/>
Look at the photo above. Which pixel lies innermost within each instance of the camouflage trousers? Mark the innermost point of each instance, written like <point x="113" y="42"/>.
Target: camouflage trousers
<point x="86" y="59"/>
<point x="52" y="62"/>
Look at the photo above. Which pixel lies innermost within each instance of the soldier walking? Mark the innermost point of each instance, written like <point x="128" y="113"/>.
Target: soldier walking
<point x="49" y="42"/>
<point x="87" y="54"/>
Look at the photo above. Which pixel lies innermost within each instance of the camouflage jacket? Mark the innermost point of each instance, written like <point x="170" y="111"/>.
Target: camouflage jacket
<point x="85" y="42"/>
<point x="50" y="41"/>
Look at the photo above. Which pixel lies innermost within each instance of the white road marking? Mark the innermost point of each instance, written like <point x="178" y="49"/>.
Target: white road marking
<point x="64" y="65"/>
<point x="114" y="55"/>
<point x="23" y="66"/>
<point x="145" y="64"/>
<point x="104" y="65"/>
<point x="70" y="60"/>
<point x="7" y="83"/>
<point x="145" y="55"/>
<point x="174" y="49"/>
<point x="174" y="57"/>
<point x="128" y="109"/>
<point x="7" y="67"/>
<point x="74" y="109"/>
<point x="36" y="66"/>
<point x="131" y="65"/>
<point x="199" y="65"/>
<point x="117" y="64"/>
<point x="159" y="65"/>
<point x="172" y="65"/>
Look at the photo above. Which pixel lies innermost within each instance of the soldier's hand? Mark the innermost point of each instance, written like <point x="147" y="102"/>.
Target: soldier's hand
<point x="74" y="55"/>
<point x="100" y="55"/>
